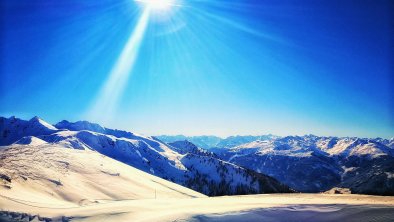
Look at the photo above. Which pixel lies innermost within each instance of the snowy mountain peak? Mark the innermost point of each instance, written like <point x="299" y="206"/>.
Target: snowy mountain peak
<point x="13" y="129"/>
<point x="35" y="118"/>
<point x="94" y="127"/>
<point x="38" y="121"/>
<point x="80" y="125"/>
<point x="184" y="143"/>
<point x="185" y="147"/>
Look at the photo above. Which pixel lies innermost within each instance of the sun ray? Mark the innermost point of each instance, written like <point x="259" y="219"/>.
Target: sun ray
<point x="107" y="99"/>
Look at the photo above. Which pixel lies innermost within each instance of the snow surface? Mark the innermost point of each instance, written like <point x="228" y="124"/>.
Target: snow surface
<point x="30" y="140"/>
<point x="285" y="207"/>
<point x="51" y="173"/>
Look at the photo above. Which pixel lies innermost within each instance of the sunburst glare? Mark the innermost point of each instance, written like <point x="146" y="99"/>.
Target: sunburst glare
<point x="158" y="4"/>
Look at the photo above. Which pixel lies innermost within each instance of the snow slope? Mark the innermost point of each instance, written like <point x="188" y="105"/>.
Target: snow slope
<point x="266" y="207"/>
<point x="52" y="173"/>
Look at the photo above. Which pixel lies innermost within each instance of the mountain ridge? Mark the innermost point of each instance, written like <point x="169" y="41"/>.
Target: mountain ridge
<point x="152" y="156"/>
<point x="305" y="163"/>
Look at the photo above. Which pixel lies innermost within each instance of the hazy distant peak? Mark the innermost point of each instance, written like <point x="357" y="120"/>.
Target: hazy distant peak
<point x="183" y="143"/>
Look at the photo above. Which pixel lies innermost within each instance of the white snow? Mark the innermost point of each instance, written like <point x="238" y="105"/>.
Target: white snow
<point x="43" y="123"/>
<point x="390" y="175"/>
<point x="50" y="173"/>
<point x="239" y="208"/>
<point x="30" y="140"/>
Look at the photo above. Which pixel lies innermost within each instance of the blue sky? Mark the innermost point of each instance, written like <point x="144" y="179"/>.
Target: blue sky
<point x="203" y="67"/>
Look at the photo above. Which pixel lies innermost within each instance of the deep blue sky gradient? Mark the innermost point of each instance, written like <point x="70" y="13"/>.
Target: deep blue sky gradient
<point x="207" y="67"/>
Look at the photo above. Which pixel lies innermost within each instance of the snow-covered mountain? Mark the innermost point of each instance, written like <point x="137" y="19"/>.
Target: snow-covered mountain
<point x="13" y="129"/>
<point x="185" y="146"/>
<point x="213" y="176"/>
<point x="205" y="142"/>
<point x="214" y="142"/>
<point x="94" y="127"/>
<point x="51" y="173"/>
<point x="177" y="162"/>
<point x="313" y="164"/>
<point x="387" y="142"/>
<point x="304" y="163"/>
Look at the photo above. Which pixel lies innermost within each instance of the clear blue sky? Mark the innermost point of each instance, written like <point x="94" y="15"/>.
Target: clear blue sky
<point x="205" y="67"/>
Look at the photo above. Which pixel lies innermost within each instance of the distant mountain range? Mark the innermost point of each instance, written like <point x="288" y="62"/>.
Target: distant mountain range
<point x="180" y="162"/>
<point x="313" y="164"/>
<point x="212" y="142"/>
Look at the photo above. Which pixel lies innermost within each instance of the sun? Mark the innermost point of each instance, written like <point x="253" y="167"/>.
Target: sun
<point x="158" y="4"/>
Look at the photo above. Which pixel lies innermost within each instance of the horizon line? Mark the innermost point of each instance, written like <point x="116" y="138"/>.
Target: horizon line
<point x="201" y="135"/>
